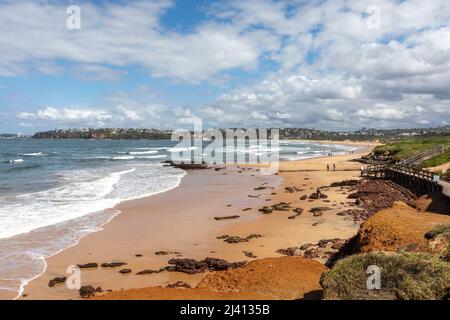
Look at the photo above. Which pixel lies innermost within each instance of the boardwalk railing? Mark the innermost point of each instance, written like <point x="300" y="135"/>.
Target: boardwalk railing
<point x="417" y="179"/>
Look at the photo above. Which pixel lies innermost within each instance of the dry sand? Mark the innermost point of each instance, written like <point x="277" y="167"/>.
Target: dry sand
<point x="182" y="220"/>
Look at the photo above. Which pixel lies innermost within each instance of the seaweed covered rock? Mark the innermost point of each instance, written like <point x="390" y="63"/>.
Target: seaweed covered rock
<point x="405" y="276"/>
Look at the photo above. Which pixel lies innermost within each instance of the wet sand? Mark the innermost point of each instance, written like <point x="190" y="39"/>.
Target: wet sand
<point x="182" y="220"/>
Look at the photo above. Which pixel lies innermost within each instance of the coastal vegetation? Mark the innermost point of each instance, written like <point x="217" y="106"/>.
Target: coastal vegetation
<point x="399" y="150"/>
<point x="437" y="160"/>
<point x="403" y="276"/>
<point x="406" y="148"/>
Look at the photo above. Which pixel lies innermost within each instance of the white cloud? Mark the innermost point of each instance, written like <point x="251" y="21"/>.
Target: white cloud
<point x="120" y="34"/>
<point x="71" y="114"/>
<point x="26" y="116"/>
<point x="333" y="71"/>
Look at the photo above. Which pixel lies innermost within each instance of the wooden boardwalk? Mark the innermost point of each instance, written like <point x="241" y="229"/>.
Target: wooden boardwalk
<point x="417" y="179"/>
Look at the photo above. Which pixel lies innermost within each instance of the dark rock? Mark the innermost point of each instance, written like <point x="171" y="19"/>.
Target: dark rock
<point x="282" y="206"/>
<point x="318" y="195"/>
<point x="113" y="264"/>
<point x="138" y="255"/>
<point x="265" y="210"/>
<point x="191" y="266"/>
<point x="294" y="216"/>
<point x="179" y="284"/>
<point x="249" y="254"/>
<point x="317" y="213"/>
<point x="88" y="265"/>
<point x="227" y="217"/>
<point x="87" y="291"/>
<point x="312" y="253"/>
<point x="58" y="280"/>
<point x="290" y="252"/>
<point x="375" y="195"/>
<point x="260" y="188"/>
<point x="304" y="197"/>
<point x="345" y="183"/>
<point x="235" y="239"/>
<point x="223" y="237"/>
<point x="305" y="246"/>
<point x="125" y="271"/>
<point x="254" y="236"/>
<point x="166" y="253"/>
<point x="293" y="189"/>
<point x="147" y="271"/>
<point x="298" y="210"/>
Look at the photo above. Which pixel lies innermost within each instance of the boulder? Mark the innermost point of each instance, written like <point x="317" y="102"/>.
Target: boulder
<point x="88" y="265"/>
<point x="58" y="280"/>
<point x="87" y="291"/>
<point x="114" y="264"/>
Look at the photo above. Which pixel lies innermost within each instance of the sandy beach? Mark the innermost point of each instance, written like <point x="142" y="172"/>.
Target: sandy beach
<point x="181" y="223"/>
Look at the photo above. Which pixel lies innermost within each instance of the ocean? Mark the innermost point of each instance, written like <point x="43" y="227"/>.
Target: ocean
<point x="54" y="192"/>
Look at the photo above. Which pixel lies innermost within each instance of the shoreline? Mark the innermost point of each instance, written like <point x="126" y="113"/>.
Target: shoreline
<point x="33" y="287"/>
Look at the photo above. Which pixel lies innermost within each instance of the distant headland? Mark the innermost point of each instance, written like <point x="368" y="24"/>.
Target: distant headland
<point x="284" y="133"/>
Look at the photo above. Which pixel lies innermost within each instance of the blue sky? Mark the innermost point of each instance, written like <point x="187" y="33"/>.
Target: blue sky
<point x="332" y="64"/>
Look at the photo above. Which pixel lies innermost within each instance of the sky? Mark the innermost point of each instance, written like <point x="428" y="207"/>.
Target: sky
<point x="325" y="64"/>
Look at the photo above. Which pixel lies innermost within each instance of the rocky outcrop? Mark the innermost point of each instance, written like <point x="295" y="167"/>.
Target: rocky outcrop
<point x="88" y="265"/>
<point x="237" y="239"/>
<point x="400" y="228"/>
<point x="318" y="195"/>
<point x="89" y="291"/>
<point x="325" y="249"/>
<point x="192" y="266"/>
<point x="114" y="264"/>
<point x="58" y="280"/>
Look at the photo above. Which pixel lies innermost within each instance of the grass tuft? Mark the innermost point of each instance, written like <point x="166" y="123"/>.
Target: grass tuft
<point x="405" y="276"/>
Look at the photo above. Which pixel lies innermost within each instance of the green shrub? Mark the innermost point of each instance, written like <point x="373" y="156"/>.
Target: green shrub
<point x="408" y="147"/>
<point x="436" y="160"/>
<point x="403" y="276"/>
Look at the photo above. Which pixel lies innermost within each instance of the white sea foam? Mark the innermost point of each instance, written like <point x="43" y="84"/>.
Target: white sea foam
<point x="143" y="152"/>
<point x="40" y="209"/>
<point x="26" y="212"/>
<point x="15" y="161"/>
<point x="123" y="158"/>
<point x="159" y="156"/>
<point x="36" y="154"/>
<point x="181" y="149"/>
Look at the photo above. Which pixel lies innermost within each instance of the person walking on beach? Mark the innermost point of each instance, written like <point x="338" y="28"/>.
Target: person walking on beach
<point x="328" y="167"/>
<point x="334" y="167"/>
